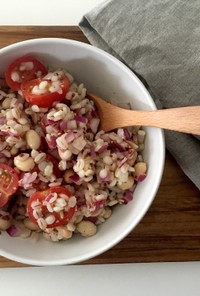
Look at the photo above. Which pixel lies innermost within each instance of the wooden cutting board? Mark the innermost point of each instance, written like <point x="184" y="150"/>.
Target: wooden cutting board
<point x="170" y="231"/>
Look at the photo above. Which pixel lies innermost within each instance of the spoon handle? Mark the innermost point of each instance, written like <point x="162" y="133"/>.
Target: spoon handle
<point x="182" y="119"/>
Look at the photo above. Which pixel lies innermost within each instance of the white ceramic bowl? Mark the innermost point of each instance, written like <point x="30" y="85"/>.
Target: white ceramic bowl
<point x="103" y="75"/>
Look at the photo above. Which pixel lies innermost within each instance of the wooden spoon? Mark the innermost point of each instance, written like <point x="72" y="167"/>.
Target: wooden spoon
<point x="182" y="119"/>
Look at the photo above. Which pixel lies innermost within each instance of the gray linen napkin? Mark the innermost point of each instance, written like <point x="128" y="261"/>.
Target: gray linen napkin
<point x="160" y="41"/>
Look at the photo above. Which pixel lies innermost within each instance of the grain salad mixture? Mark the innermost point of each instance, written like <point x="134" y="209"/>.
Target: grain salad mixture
<point x="59" y="175"/>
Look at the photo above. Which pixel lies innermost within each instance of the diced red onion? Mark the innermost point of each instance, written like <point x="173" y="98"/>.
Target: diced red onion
<point x="116" y="146"/>
<point x="48" y="197"/>
<point x="93" y="113"/>
<point x="94" y="124"/>
<point x="130" y="153"/>
<point x="51" y="121"/>
<point x="9" y="133"/>
<point x="52" y="142"/>
<point x="127" y="135"/>
<point x="80" y="119"/>
<point x="79" y="143"/>
<point x="99" y="204"/>
<point x="44" y="120"/>
<point x="105" y="137"/>
<point x="70" y="136"/>
<point x="141" y="177"/>
<point x="92" y="219"/>
<point x="75" y="178"/>
<point x="16" y="103"/>
<point x="123" y="161"/>
<point x="128" y="196"/>
<point x="2" y="120"/>
<point x="64" y="125"/>
<point x="124" y="133"/>
<point x="92" y="151"/>
<point x="102" y="149"/>
<point x="28" y="178"/>
<point x="13" y="231"/>
<point x="108" y="178"/>
<point x="81" y="201"/>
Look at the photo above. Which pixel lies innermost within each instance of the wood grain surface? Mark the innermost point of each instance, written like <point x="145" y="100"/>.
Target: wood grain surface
<point x="170" y="231"/>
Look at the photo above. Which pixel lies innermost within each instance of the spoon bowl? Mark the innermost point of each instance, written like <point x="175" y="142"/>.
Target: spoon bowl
<point x="182" y="119"/>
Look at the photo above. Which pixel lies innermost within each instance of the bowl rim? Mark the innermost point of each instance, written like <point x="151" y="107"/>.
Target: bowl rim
<point x="125" y="68"/>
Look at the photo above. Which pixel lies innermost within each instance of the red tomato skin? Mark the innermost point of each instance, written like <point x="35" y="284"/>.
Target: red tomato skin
<point x="44" y="100"/>
<point x="8" y="183"/>
<point x="40" y="195"/>
<point x="28" y="75"/>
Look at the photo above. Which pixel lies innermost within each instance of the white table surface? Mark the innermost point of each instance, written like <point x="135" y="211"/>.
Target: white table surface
<point x="44" y="12"/>
<point x="148" y="279"/>
<point x="132" y="279"/>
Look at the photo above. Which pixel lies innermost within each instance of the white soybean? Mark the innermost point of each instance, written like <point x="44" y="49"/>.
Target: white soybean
<point x="24" y="162"/>
<point x="33" y="139"/>
<point x="30" y="225"/>
<point x="107" y="213"/>
<point x="64" y="232"/>
<point x="67" y="176"/>
<point x="126" y="185"/>
<point x="6" y="103"/>
<point x="5" y="221"/>
<point x="140" y="168"/>
<point x="86" y="228"/>
<point x="21" y="211"/>
<point x="25" y="232"/>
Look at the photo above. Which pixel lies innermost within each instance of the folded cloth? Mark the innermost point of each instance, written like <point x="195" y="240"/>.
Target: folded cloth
<point x="160" y="41"/>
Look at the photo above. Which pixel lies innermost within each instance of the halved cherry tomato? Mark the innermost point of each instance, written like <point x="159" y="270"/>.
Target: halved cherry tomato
<point x="61" y="217"/>
<point x="8" y="183"/>
<point x="48" y="98"/>
<point x="23" y="69"/>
